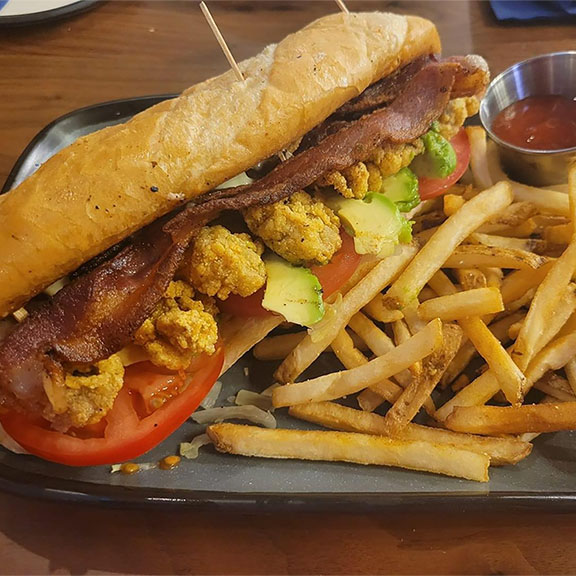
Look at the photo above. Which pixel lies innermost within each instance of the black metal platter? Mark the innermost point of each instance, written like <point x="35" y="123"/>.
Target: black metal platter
<point x="545" y="479"/>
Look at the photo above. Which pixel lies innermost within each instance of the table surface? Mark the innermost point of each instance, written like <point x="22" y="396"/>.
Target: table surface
<point x="124" y="49"/>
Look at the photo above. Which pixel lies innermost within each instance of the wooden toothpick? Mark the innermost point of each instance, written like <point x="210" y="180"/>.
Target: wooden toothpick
<point x="221" y="41"/>
<point x="342" y="6"/>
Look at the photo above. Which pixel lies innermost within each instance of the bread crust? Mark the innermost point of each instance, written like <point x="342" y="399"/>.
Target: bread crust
<point x="109" y="184"/>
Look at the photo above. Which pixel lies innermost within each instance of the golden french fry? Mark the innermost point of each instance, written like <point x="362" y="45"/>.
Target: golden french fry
<point x="501" y="450"/>
<point x="511" y="379"/>
<point x="478" y="301"/>
<point x="477" y="255"/>
<point x="524" y="230"/>
<point x="277" y="347"/>
<point x="241" y="334"/>
<point x="544" y="221"/>
<point x="376" y="309"/>
<point x="426" y="294"/>
<point x="377" y="340"/>
<point x="523" y="244"/>
<point x="572" y="193"/>
<point x="349" y="447"/>
<point x="432" y="256"/>
<point x="556" y="387"/>
<point x="559" y="234"/>
<point x="459" y="363"/>
<point x="401" y="332"/>
<point x="505" y="371"/>
<point x="570" y="370"/>
<point x="441" y="284"/>
<point x="501" y="328"/>
<point x="356" y="298"/>
<point x="369" y="400"/>
<point x="415" y="394"/>
<point x="336" y="385"/>
<point x="547" y="201"/>
<point x="461" y="382"/>
<point x="428" y="220"/>
<point x="511" y="217"/>
<point x="344" y="349"/>
<point x="453" y="203"/>
<point x="494" y="276"/>
<point x="559" y="322"/>
<point x="470" y="278"/>
<point x="494" y="420"/>
<point x="519" y="282"/>
<point x="478" y="392"/>
<point x="468" y="351"/>
<point x="553" y="357"/>
<point x="478" y="161"/>
<point x="544" y="305"/>
<point x="411" y="318"/>
<point x="383" y="391"/>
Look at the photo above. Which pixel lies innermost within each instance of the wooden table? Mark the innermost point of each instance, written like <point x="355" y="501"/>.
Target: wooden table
<point x="123" y="49"/>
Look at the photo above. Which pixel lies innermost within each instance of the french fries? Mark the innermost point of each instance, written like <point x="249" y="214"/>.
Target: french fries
<point x="346" y="447"/>
<point x="430" y="259"/>
<point x="502" y="451"/>
<point x="477" y="255"/>
<point x="482" y="306"/>
<point x="458" y="305"/>
<point x="341" y="384"/>
<point x="415" y="394"/>
<point x="495" y="420"/>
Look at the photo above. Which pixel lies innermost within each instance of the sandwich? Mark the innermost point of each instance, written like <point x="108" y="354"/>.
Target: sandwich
<point x="144" y="259"/>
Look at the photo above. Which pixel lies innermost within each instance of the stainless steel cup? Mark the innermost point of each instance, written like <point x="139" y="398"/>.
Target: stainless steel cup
<point x="550" y="74"/>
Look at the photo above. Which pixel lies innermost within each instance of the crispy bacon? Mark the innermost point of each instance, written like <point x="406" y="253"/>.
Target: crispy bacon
<point x="385" y="90"/>
<point x="97" y="314"/>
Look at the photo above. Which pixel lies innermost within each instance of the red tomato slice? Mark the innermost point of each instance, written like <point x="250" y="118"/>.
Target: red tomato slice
<point x="331" y="276"/>
<point x="339" y="270"/>
<point x="130" y="428"/>
<point x="431" y="187"/>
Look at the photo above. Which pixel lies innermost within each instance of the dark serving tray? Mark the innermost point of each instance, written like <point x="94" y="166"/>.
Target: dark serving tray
<point x="546" y="478"/>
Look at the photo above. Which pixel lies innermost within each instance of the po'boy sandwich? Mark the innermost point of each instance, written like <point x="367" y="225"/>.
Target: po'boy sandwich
<point x="149" y="256"/>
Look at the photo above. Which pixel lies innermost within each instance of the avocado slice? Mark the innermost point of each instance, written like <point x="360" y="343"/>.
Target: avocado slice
<point x="438" y="160"/>
<point x="402" y="189"/>
<point x="375" y="223"/>
<point x="292" y="291"/>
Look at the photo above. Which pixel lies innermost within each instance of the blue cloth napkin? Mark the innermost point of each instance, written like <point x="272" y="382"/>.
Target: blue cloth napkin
<point x="3" y="3"/>
<point x="531" y="10"/>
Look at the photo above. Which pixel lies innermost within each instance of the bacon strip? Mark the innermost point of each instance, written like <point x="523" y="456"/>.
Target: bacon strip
<point x="97" y="314"/>
<point x="385" y="90"/>
<point x="406" y="119"/>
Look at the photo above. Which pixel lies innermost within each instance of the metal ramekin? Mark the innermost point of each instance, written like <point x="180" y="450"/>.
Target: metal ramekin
<point x="550" y="74"/>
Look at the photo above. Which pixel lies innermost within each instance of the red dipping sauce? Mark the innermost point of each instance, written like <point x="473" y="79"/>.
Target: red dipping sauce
<point x="538" y="123"/>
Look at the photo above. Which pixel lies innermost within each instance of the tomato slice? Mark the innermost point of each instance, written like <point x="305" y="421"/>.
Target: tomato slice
<point x="133" y="426"/>
<point x="339" y="270"/>
<point x="331" y="276"/>
<point x="431" y="187"/>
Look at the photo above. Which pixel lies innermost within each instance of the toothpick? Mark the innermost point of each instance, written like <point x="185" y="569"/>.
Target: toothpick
<point x="342" y="6"/>
<point x="221" y="41"/>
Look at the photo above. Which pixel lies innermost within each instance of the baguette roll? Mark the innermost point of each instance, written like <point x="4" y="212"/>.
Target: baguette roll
<point x="109" y="184"/>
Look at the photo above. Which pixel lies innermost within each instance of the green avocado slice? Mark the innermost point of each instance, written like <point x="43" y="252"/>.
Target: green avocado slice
<point x="375" y="223"/>
<point x="292" y="291"/>
<point x="402" y="189"/>
<point x="438" y="160"/>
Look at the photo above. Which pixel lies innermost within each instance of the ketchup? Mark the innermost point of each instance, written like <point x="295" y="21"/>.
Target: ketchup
<point x="538" y="123"/>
